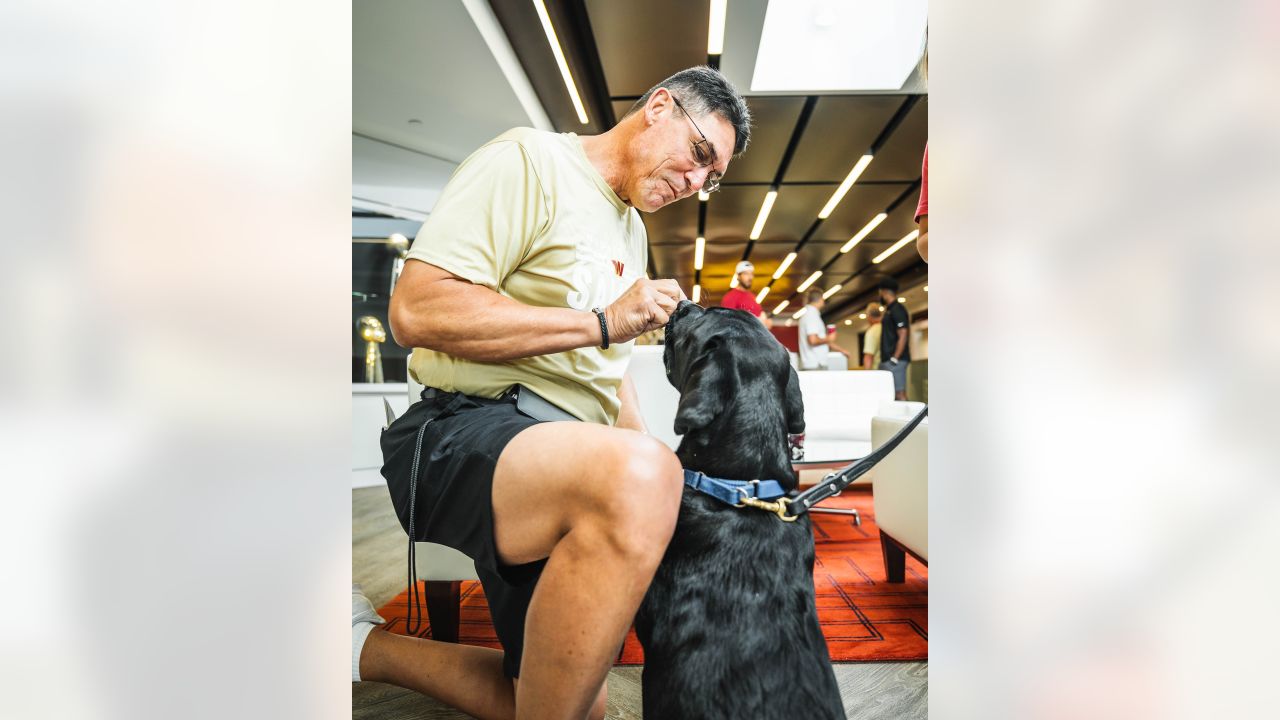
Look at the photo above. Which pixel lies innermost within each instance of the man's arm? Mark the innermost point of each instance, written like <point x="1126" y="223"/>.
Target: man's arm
<point x="902" y="344"/>
<point x="922" y="242"/>
<point x="434" y="309"/>
<point x="629" y="415"/>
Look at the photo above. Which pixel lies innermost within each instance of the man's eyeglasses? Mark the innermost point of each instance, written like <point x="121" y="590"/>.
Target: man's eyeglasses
<point x="704" y="153"/>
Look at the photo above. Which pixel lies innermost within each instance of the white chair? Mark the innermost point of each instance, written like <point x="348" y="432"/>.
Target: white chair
<point x="838" y="407"/>
<point x="658" y="399"/>
<point x="442" y="570"/>
<point x="901" y="491"/>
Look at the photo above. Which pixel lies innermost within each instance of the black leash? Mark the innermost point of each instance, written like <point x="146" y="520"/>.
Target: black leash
<point x="837" y="481"/>
<point x="415" y="600"/>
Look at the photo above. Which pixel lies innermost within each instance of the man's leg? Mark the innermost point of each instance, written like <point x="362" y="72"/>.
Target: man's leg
<point x="600" y="504"/>
<point x="462" y="676"/>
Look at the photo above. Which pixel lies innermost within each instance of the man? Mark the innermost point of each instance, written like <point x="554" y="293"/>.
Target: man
<point x="740" y="298"/>
<point x="895" y="350"/>
<point x="815" y="341"/>
<point x="871" y="340"/>
<point x="530" y="271"/>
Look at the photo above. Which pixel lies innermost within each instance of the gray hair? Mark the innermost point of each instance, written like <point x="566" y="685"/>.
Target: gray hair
<point x="704" y="90"/>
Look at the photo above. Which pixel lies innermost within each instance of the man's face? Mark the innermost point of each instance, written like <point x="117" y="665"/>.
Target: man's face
<point x="745" y="277"/>
<point x="663" y="167"/>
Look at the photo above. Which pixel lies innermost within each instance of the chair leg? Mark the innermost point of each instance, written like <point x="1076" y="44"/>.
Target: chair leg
<point x="895" y="560"/>
<point x="443" y="600"/>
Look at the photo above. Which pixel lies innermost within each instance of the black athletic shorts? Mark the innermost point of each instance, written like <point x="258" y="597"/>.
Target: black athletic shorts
<point x="454" y="496"/>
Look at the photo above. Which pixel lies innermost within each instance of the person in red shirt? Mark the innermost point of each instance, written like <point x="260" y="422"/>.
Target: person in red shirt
<point x="922" y="209"/>
<point x="740" y="298"/>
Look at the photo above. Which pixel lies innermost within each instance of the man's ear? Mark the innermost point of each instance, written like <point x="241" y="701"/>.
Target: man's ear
<point x="793" y="403"/>
<point x="703" y="399"/>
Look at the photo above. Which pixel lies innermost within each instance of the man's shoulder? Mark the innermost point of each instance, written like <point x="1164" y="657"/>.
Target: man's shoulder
<point x="537" y="144"/>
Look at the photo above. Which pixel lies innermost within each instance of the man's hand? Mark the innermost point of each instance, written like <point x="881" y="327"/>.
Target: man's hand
<point x="645" y="306"/>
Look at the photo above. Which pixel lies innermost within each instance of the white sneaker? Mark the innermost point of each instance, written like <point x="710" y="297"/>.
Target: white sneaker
<point x="363" y="618"/>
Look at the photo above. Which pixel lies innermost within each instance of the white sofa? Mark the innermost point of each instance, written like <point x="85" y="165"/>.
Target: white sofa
<point x="901" y="494"/>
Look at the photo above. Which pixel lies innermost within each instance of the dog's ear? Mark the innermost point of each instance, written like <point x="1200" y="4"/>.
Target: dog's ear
<point x="793" y="403"/>
<point x="703" y="397"/>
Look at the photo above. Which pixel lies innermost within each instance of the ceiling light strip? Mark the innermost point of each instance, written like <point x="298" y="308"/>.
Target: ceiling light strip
<point x="764" y="292"/>
<point x="786" y="263"/>
<point x="864" y="232"/>
<point x="849" y="180"/>
<point x="895" y="247"/>
<point x="805" y="285"/>
<point x="699" y="248"/>
<point x="560" y="61"/>
<point x="769" y="199"/>
<point x="715" y="28"/>
<point x="834" y="289"/>
<point x="697" y="293"/>
<point x="781" y="306"/>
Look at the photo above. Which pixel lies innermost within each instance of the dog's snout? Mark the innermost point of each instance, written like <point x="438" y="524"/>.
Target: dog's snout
<point x="684" y="308"/>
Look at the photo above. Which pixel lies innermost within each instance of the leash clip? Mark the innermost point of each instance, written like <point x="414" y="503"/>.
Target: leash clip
<point x="777" y="507"/>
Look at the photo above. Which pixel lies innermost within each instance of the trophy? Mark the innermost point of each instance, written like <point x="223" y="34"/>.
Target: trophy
<point x="374" y="335"/>
<point x="399" y="246"/>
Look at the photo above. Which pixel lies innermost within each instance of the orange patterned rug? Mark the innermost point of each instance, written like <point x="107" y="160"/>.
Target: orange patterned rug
<point x="863" y="617"/>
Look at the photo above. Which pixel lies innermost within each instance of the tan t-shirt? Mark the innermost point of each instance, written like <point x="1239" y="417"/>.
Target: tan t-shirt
<point x="528" y="216"/>
<point x="871" y="344"/>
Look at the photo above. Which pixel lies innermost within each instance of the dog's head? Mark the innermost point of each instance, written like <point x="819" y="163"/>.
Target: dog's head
<point x="735" y="379"/>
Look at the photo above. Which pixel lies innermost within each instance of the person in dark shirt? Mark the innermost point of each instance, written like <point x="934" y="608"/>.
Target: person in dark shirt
<point x="895" y="349"/>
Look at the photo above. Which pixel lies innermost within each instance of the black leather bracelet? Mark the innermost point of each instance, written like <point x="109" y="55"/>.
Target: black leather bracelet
<point x="604" y="329"/>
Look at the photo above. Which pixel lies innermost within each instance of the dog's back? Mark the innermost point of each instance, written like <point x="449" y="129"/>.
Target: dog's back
<point x="729" y="626"/>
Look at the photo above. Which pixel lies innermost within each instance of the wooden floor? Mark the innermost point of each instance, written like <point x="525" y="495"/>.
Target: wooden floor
<point x="869" y="690"/>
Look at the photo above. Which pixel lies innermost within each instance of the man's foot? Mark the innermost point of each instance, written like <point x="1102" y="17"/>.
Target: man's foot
<point x="363" y="618"/>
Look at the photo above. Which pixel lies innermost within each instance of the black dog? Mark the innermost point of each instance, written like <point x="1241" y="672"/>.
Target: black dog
<point x="729" y="626"/>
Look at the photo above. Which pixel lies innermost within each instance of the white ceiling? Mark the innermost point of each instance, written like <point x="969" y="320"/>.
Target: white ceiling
<point x="424" y="60"/>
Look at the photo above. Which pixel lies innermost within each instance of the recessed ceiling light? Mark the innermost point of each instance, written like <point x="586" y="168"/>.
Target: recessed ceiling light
<point x="805" y="285"/>
<point x="697" y="293"/>
<point x="560" y="61"/>
<point x="848" y="322"/>
<point x="832" y="291"/>
<point x="699" y="248"/>
<point x="926" y="288"/>
<point x="786" y="263"/>
<point x="849" y="180"/>
<point x="865" y="231"/>
<point x="761" y="296"/>
<point x="781" y="306"/>
<point x="902" y="299"/>
<point x="715" y="28"/>
<point x="895" y="247"/>
<point x="764" y="214"/>
<point x="862" y="316"/>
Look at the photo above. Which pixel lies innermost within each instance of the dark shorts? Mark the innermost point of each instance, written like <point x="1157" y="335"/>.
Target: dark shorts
<point x="454" y="496"/>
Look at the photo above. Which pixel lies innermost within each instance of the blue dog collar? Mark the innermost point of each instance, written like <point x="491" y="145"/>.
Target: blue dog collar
<point x="733" y="492"/>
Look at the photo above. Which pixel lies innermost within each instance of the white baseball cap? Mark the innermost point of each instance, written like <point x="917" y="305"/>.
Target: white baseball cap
<point x="743" y="267"/>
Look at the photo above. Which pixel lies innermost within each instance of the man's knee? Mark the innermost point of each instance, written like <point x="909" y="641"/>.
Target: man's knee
<point x="636" y="494"/>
